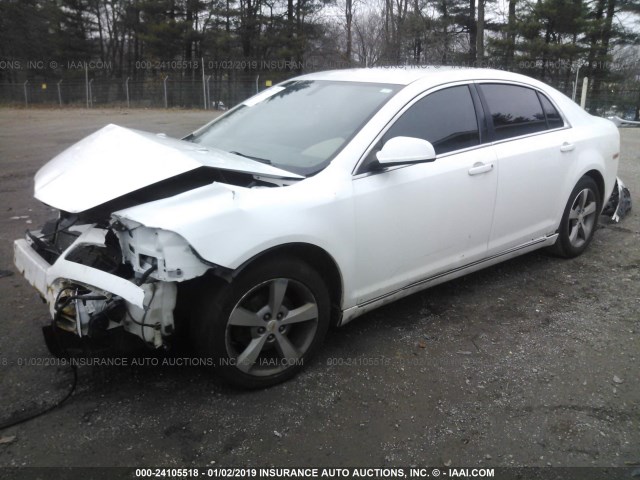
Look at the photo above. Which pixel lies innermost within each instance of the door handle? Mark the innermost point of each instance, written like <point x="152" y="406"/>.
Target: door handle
<point x="480" y="167"/>
<point x="567" y="147"/>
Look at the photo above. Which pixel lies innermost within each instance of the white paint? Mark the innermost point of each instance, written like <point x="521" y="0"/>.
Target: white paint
<point x="115" y="161"/>
<point x="405" y="150"/>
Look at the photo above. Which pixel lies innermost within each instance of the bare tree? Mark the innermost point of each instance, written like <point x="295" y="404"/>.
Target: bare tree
<point x="369" y="37"/>
<point x="348" y="16"/>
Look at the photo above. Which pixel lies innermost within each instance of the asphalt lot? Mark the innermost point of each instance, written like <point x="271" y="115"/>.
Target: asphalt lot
<point x="533" y="362"/>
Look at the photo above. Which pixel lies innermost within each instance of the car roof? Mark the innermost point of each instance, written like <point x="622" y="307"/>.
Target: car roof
<point x="405" y="75"/>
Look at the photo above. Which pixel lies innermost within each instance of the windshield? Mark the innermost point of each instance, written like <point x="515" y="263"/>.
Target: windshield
<point x="298" y="126"/>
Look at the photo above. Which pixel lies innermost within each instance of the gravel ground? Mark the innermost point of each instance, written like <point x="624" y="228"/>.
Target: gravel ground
<point x="533" y="362"/>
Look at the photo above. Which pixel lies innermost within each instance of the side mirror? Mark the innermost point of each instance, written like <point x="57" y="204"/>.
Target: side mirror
<point x="405" y="150"/>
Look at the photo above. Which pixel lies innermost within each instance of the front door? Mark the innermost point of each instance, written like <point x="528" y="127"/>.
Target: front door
<point x="416" y="221"/>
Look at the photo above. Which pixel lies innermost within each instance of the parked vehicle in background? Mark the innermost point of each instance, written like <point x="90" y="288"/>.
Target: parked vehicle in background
<point x="310" y="204"/>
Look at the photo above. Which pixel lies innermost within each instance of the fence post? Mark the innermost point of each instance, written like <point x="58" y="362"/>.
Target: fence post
<point x="59" y="93"/>
<point x="575" y="85"/>
<point x="26" y="98"/>
<point x="86" y="82"/>
<point x="126" y="89"/>
<point x="91" y="93"/>
<point x="204" y="87"/>
<point x="583" y="99"/>
<point x="166" y="103"/>
<point x="208" y="92"/>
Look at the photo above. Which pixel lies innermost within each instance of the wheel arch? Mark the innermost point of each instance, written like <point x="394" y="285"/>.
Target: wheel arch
<point x="599" y="179"/>
<point x="592" y="172"/>
<point x="317" y="258"/>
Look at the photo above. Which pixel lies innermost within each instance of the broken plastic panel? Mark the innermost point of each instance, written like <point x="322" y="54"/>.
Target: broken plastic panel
<point x="619" y="203"/>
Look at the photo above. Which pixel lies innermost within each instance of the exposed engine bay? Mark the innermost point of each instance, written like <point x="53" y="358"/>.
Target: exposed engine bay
<point x="96" y="267"/>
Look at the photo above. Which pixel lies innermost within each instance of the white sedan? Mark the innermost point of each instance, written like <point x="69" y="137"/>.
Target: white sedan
<point x="309" y="204"/>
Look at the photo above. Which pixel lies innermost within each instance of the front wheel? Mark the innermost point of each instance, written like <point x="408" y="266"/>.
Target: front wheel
<point x="579" y="220"/>
<point x="265" y="325"/>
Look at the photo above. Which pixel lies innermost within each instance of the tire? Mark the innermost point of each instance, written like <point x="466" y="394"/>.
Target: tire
<point x="250" y="345"/>
<point x="579" y="220"/>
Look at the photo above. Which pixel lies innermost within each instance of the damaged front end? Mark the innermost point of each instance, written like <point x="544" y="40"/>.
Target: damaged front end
<point x="100" y="272"/>
<point x="96" y="278"/>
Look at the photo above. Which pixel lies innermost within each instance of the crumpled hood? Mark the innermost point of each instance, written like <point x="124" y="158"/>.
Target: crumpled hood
<point x="115" y="161"/>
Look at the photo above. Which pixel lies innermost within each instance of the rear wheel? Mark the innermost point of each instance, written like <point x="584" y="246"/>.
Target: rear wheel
<point x="265" y="325"/>
<point x="579" y="220"/>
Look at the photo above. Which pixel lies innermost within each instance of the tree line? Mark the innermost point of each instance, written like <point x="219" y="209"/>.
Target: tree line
<point x="142" y="39"/>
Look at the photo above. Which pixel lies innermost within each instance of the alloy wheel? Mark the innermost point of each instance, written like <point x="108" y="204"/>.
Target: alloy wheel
<point x="271" y="327"/>
<point x="582" y="217"/>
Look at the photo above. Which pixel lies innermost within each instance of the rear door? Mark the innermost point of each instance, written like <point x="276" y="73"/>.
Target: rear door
<point x="534" y="154"/>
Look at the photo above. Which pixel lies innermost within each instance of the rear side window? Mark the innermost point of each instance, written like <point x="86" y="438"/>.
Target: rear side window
<point x="445" y="118"/>
<point x="515" y="110"/>
<point x="554" y="120"/>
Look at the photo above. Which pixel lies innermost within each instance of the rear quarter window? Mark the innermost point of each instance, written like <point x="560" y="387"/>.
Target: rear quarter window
<point x="554" y="120"/>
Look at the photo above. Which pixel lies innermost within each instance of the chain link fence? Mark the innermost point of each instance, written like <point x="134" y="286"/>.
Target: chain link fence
<point x="220" y="93"/>
<point x="622" y="103"/>
<point x="131" y="94"/>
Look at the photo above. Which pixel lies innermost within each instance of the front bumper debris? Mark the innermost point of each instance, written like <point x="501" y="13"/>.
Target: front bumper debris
<point x="619" y="203"/>
<point x="87" y="301"/>
<point x="50" y="279"/>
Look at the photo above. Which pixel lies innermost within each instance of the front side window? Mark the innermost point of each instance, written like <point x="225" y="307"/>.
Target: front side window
<point x="446" y="118"/>
<point x="515" y="110"/>
<point x="298" y="126"/>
